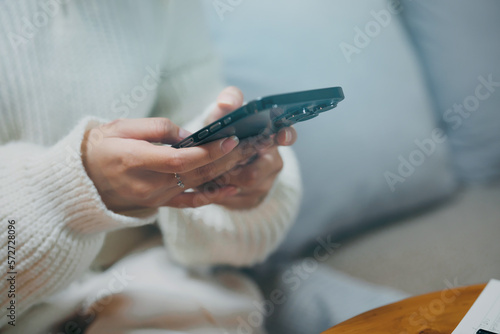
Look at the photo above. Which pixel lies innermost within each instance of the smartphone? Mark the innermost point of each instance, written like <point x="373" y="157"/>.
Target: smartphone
<point x="267" y="115"/>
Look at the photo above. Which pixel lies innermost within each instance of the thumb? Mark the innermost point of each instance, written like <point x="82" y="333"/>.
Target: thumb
<point x="228" y="100"/>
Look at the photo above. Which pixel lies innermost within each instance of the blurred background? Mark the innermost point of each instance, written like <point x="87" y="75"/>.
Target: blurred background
<point x="403" y="175"/>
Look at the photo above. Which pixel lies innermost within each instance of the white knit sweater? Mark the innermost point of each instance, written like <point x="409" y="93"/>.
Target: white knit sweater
<point x="64" y="68"/>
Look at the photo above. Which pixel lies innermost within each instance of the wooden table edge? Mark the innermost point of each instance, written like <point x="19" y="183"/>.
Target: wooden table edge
<point x="437" y="312"/>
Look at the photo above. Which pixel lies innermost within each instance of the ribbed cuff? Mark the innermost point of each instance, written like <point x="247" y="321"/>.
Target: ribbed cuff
<point x="215" y="235"/>
<point x="61" y="177"/>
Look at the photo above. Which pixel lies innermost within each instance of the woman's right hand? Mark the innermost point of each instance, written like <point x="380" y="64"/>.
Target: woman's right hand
<point x="130" y="172"/>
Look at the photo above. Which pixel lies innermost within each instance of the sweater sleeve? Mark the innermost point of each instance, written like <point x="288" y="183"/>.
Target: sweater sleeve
<point x="215" y="235"/>
<point x="58" y="217"/>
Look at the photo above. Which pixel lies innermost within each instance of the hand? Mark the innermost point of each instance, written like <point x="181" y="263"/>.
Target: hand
<point x="130" y="172"/>
<point x="253" y="178"/>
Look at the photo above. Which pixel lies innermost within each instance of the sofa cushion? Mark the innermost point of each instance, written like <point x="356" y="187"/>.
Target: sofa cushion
<point x="380" y="152"/>
<point x="454" y="244"/>
<point x="458" y="42"/>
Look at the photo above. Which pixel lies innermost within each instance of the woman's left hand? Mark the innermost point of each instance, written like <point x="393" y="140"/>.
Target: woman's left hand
<point x="255" y="178"/>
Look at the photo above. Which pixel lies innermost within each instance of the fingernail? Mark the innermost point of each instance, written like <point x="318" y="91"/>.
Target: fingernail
<point x="183" y="133"/>
<point x="228" y="99"/>
<point x="229" y="144"/>
<point x="288" y="136"/>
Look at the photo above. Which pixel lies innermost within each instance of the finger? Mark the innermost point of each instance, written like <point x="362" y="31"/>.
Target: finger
<point x="156" y="129"/>
<point x="213" y="170"/>
<point x="246" y="177"/>
<point x="247" y="199"/>
<point x="197" y="199"/>
<point x="137" y="188"/>
<point x="268" y="162"/>
<point x="252" y="176"/>
<point x="286" y="136"/>
<point x="264" y="143"/>
<point x="228" y="100"/>
<point x="166" y="159"/>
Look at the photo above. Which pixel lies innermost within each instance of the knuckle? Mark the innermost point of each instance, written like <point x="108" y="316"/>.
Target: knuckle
<point x="162" y="126"/>
<point x="109" y="127"/>
<point x="176" y="162"/>
<point x="247" y="149"/>
<point x="223" y="179"/>
<point x="213" y="154"/>
<point x="142" y="191"/>
<point x="250" y="179"/>
<point x="274" y="161"/>
<point x="130" y="161"/>
<point x="200" y="199"/>
<point x="94" y="137"/>
<point x="206" y="173"/>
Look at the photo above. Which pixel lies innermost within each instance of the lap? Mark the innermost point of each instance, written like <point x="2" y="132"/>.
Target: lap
<point x="147" y="293"/>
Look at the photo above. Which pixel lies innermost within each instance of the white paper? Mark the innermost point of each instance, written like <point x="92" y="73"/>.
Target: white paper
<point x="484" y="313"/>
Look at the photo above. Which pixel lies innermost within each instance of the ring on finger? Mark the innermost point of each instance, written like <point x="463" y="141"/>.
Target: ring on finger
<point x="179" y="181"/>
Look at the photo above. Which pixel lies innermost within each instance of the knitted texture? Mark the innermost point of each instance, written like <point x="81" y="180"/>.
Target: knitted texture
<point x="68" y="66"/>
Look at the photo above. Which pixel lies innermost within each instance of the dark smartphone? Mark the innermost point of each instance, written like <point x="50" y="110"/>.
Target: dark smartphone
<point x="267" y="115"/>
